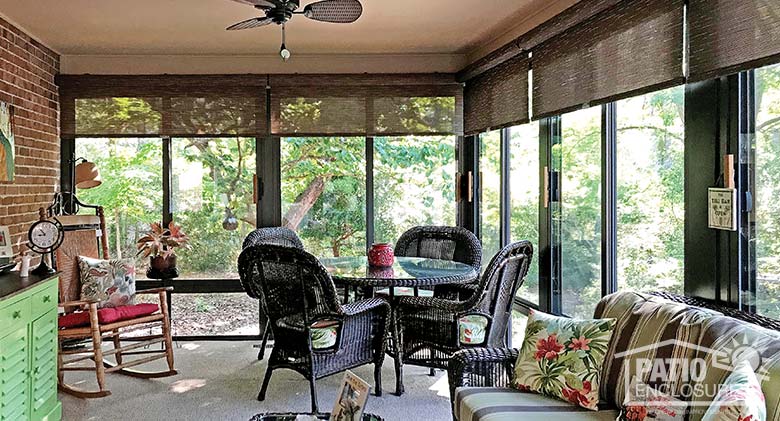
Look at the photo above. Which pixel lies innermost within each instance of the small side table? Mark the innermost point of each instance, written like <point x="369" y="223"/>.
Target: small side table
<point x="291" y="417"/>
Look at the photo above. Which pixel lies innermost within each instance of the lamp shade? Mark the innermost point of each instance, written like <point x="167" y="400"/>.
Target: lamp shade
<point x="87" y="175"/>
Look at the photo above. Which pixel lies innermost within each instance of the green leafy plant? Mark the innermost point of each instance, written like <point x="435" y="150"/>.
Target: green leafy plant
<point x="161" y="241"/>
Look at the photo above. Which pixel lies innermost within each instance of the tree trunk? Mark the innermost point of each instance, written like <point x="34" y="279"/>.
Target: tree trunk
<point x="303" y="203"/>
<point x="117" y="217"/>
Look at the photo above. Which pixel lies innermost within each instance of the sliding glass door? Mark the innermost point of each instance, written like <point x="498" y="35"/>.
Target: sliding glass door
<point x="578" y="220"/>
<point x="212" y="200"/>
<point x="491" y="182"/>
<point x="524" y="187"/>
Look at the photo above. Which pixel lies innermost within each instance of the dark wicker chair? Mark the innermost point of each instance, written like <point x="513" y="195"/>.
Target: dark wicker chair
<point x="447" y="243"/>
<point x="280" y="236"/>
<point x="494" y="367"/>
<point x="297" y="293"/>
<point x="428" y="329"/>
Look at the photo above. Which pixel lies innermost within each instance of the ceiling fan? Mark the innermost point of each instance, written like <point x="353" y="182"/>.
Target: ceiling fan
<point x="281" y="11"/>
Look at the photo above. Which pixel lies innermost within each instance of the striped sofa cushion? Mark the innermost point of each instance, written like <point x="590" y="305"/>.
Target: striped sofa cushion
<point x="503" y="404"/>
<point x="728" y="336"/>
<point x="648" y="327"/>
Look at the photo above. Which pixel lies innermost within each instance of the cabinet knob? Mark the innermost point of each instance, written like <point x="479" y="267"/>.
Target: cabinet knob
<point x="46" y="298"/>
<point x="17" y="314"/>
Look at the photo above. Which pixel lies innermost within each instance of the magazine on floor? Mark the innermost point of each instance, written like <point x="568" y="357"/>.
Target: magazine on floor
<point x="351" y="399"/>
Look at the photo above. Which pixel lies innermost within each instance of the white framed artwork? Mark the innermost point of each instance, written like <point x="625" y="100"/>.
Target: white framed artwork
<point x="6" y="248"/>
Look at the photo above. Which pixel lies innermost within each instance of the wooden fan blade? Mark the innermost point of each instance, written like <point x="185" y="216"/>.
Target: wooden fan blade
<point x="261" y="4"/>
<point x="249" y="23"/>
<point x="334" y="11"/>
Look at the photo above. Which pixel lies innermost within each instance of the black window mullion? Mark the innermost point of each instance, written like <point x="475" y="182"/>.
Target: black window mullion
<point x="369" y="192"/>
<point x="468" y="167"/>
<point x="167" y="168"/>
<point x="609" y="198"/>
<point x="269" y="182"/>
<point x="548" y="249"/>
<point x="505" y="210"/>
<point x="746" y="185"/>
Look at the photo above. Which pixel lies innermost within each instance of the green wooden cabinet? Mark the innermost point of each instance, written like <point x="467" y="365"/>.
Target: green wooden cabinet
<point x="28" y="354"/>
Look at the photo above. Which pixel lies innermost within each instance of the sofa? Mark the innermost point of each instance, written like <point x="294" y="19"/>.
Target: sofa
<point x="661" y="327"/>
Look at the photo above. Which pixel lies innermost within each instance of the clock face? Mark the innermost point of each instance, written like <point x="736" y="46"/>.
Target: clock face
<point x="44" y="234"/>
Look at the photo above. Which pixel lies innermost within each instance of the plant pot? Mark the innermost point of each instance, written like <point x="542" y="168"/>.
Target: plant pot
<point x="381" y="255"/>
<point x="162" y="267"/>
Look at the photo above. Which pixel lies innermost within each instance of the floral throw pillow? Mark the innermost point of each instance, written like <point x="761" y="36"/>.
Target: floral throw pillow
<point x="562" y="357"/>
<point x="739" y="399"/>
<point x="110" y="282"/>
<point x="646" y="403"/>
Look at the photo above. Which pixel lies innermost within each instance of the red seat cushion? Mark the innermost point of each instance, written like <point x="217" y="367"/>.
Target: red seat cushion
<point x="108" y="315"/>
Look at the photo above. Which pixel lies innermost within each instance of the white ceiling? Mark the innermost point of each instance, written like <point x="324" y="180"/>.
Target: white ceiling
<point x="453" y="31"/>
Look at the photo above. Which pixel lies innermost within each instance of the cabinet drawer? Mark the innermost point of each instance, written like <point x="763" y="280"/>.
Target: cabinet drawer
<point x="15" y="314"/>
<point x="44" y="300"/>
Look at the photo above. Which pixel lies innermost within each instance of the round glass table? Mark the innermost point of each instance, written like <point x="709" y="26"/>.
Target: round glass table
<point x="406" y="272"/>
<point x="411" y="272"/>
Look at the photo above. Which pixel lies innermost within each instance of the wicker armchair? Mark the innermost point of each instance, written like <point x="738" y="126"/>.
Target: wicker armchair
<point x="428" y="328"/>
<point x="280" y="236"/>
<point x="447" y="243"/>
<point x="298" y="297"/>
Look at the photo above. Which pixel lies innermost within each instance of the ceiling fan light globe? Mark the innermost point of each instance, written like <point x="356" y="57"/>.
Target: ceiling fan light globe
<point x="285" y="54"/>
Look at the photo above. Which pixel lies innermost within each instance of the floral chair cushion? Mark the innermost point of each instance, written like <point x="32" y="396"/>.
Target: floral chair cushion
<point x="324" y="334"/>
<point x="110" y="282"/>
<point x="562" y="357"/>
<point x="472" y="329"/>
<point x="739" y="399"/>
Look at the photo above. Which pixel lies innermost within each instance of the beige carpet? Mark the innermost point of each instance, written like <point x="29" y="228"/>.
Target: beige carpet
<point x="220" y="380"/>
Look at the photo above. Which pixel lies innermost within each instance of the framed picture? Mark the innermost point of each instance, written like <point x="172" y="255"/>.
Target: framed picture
<point x="6" y="248"/>
<point x="6" y="142"/>
<point x="722" y="209"/>
<point x="351" y="399"/>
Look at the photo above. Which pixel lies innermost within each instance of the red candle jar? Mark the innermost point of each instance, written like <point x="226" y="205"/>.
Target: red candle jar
<point x="381" y="255"/>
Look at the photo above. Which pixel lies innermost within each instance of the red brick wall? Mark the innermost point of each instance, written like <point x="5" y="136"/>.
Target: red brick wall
<point x="27" y="70"/>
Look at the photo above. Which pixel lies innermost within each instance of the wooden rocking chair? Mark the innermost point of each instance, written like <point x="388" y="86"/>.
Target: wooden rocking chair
<point x="81" y="341"/>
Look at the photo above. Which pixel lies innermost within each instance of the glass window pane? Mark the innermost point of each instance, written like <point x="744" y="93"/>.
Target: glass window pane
<point x="131" y="193"/>
<point x="414" y="184"/>
<point x="214" y="314"/>
<point x="580" y="217"/>
<point x="650" y="204"/>
<point x="324" y="193"/>
<point x="524" y="198"/>
<point x="767" y="190"/>
<point x="211" y="191"/>
<point x="490" y="181"/>
<point x="519" y="323"/>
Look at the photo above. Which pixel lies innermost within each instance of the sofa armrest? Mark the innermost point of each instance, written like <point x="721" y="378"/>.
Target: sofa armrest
<point x="481" y="367"/>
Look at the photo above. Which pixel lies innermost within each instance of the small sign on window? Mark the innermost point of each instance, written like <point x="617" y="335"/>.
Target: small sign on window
<point x="722" y="209"/>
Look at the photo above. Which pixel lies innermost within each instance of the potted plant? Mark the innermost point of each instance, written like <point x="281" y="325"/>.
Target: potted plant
<point x="159" y="246"/>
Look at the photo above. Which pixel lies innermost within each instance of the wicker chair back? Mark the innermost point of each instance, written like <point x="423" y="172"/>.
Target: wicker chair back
<point x="497" y="288"/>
<point x="295" y="287"/>
<point x="280" y="236"/>
<point x="441" y="242"/>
